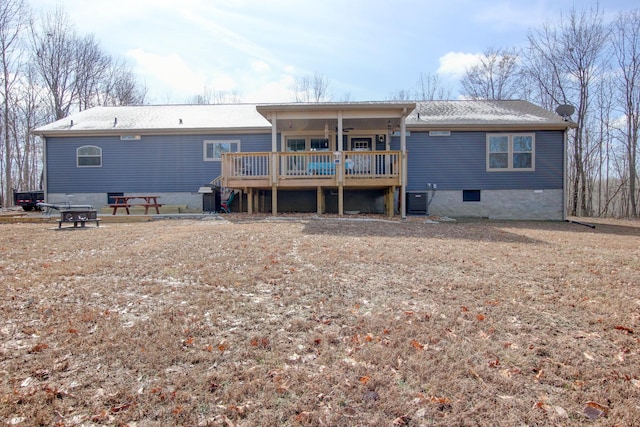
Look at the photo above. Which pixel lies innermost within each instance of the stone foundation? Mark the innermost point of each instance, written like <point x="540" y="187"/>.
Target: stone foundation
<point x="501" y="204"/>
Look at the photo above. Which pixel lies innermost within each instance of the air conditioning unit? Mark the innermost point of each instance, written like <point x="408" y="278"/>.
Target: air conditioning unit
<point x="417" y="203"/>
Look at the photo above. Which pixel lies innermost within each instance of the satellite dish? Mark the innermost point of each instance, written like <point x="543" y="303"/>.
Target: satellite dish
<point x="565" y="110"/>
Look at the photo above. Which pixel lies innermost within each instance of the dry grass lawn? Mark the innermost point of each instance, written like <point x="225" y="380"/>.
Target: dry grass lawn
<point x="303" y="321"/>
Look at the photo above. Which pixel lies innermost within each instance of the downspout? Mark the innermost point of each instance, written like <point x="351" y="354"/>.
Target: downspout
<point x="274" y="164"/>
<point x="565" y="159"/>
<point x="45" y="181"/>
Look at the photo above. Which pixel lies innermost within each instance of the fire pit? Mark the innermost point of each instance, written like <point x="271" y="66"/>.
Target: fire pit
<point x="76" y="214"/>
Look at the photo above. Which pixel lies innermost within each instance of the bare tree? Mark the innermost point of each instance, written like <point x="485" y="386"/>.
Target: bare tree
<point x="563" y="63"/>
<point x="401" y="95"/>
<point x="55" y="60"/>
<point x="496" y="76"/>
<point x="120" y="87"/>
<point x="431" y="88"/>
<point x="212" y="96"/>
<point x="626" y="47"/>
<point x="312" y="88"/>
<point x="91" y="69"/>
<point x="77" y="73"/>
<point x="30" y="113"/>
<point x="13" y="18"/>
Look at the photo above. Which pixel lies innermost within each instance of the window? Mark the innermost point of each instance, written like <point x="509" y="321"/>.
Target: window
<point x="213" y="149"/>
<point x="296" y="144"/>
<point x="510" y="152"/>
<point x="319" y="144"/>
<point x="470" y="195"/>
<point x="89" y="156"/>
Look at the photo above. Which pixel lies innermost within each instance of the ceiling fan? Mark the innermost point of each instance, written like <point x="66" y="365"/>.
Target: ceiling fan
<point x="344" y="130"/>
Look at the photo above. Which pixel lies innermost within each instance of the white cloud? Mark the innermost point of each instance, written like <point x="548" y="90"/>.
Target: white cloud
<point x="169" y="70"/>
<point x="260" y="67"/>
<point x="272" y="91"/>
<point x="454" y="64"/>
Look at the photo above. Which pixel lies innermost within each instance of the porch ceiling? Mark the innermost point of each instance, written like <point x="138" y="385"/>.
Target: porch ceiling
<point x="355" y="116"/>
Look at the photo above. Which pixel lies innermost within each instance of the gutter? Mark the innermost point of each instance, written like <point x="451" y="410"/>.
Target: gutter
<point x="168" y="131"/>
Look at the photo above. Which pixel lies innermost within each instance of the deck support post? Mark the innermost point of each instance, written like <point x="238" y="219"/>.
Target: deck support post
<point x="249" y="192"/>
<point x="274" y="163"/>
<point x="389" y="201"/>
<point x="341" y="199"/>
<point x="274" y="199"/>
<point x="403" y="168"/>
<point x="319" y="201"/>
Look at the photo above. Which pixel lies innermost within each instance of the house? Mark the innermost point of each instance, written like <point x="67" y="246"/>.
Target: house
<point x="496" y="159"/>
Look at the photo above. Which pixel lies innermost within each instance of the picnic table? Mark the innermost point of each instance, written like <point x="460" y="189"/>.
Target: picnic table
<point x="126" y="202"/>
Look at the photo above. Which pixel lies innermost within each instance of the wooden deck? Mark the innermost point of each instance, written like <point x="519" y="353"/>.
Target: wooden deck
<point x="317" y="170"/>
<point x="299" y="170"/>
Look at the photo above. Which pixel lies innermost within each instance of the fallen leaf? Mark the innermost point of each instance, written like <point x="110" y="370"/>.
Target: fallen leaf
<point x="223" y="346"/>
<point x="303" y="416"/>
<point x="441" y="400"/>
<point x="116" y="409"/>
<point x="371" y="395"/>
<point x="401" y="421"/>
<point x="624" y="328"/>
<point x="505" y="397"/>
<point x="480" y="317"/>
<point x="594" y="410"/>
<point x="38" y="348"/>
<point x="561" y="411"/>
<point x="415" y="344"/>
<point x="364" y="379"/>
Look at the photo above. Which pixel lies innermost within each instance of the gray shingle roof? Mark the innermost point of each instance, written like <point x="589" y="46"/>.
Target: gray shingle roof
<point x="245" y="117"/>
<point x="482" y="113"/>
<point x="160" y="118"/>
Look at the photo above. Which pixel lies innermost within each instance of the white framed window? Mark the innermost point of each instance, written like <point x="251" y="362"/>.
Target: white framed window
<point x="296" y="144"/>
<point x="212" y="150"/>
<point x="89" y="156"/>
<point x="511" y="152"/>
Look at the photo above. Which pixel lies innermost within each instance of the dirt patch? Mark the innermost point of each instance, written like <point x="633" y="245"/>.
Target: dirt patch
<point x="306" y="321"/>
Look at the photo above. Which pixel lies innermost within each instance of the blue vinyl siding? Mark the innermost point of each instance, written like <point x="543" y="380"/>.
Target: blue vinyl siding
<point x="458" y="162"/>
<point x="164" y="163"/>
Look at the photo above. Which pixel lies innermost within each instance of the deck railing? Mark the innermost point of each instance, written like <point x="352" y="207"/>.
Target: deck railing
<point x="346" y="165"/>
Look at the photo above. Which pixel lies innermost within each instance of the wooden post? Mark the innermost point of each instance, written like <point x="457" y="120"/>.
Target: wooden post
<point x="250" y="200"/>
<point x="403" y="168"/>
<point x="274" y="164"/>
<point x="341" y="199"/>
<point x="274" y="199"/>
<point x="389" y="201"/>
<point x="319" y="201"/>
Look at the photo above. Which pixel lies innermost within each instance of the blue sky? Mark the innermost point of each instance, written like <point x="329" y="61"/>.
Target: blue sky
<point x="367" y="49"/>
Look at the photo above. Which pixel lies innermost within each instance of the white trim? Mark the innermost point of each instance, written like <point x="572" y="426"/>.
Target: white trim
<point x="510" y="152"/>
<point x="88" y="155"/>
<point x="217" y="142"/>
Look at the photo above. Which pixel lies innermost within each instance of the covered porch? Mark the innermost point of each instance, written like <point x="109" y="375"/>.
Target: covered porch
<point x="337" y="146"/>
